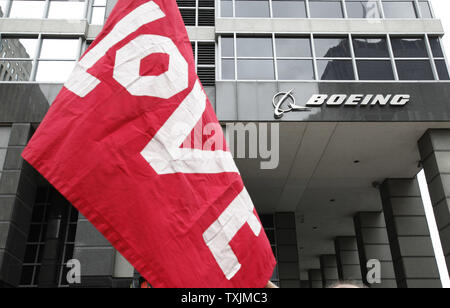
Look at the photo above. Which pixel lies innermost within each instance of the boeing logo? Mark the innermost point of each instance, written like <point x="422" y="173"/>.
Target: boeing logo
<point x="284" y="102"/>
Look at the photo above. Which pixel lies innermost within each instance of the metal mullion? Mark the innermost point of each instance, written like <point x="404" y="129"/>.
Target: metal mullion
<point x="270" y="9"/>
<point x="46" y="9"/>
<point x="35" y="57"/>
<point x="431" y="58"/>
<point x="218" y="55"/>
<point x="381" y="8"/>
<point x="86" y="9"/>
<point x="418" y="10"/>
<point x="234" y="7"/>
<point x="313" y="53"/>
<point x="352" y="53"/>
<point x="444" y="54"/>
<point x="196" y="13"/>
<point x="235" y="54"/>
<point x="90" y="10"/>
<point x="308" y="13"/>
<point x="275" y="62"/>
<point x="344" y="9"/>
<point x="196" y="55"/>
<point x="7" y="8"/>
<point x="391" y="54"/>
<point x="430" y="6"/>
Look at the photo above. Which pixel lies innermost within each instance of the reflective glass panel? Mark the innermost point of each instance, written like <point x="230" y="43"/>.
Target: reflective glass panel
<point x="255" y="70"/>
<point x="227" y="47"/>
<point x="2" y="8"/>
<point x="370" y="48"/>
<point x="98" y="15"/>
<point x="228" y="69"/>
<point x="363" y="9"/>
<point x="375" y="70"/>
<point x="15" y="70"/>
<point x="293" y="47"/>
<point x="27" y="9"/>
<point x="295" y="70"/>
<point x="226" y="8"/>
<point x="335" y="70"/>
<point x="288" y="9"/>
<point x="325" y="9"/>
<point x="66" y="9"/>
<point x="254" y="47"/>
<point x="414" y="70"/>
<point x="425" y="9"/>
<point x="409" y="47"/>
<point x="24" y="48"/>
<point x="252" y="8"/>
<point x="59" y="49"/>
<point x="332" y="47"/>
<point x="54" y="71"/>
<point x="399" y="9"/>
<point x="436" y="47"/>
<point x="442" y="69"/>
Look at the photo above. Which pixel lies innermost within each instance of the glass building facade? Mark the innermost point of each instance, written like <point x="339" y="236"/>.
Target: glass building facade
<point x="321" y="206"/>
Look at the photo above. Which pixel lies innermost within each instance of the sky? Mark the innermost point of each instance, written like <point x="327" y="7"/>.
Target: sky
<point x="441" y="10"/>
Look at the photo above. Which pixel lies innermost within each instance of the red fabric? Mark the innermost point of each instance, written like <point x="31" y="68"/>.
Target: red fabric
<point x="89" y="150"/>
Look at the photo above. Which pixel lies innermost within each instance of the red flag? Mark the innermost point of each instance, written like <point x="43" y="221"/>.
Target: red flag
<point x="133" y="142"/>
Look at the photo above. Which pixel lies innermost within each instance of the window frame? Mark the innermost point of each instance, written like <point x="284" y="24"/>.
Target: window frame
<point x="431" y="58"/>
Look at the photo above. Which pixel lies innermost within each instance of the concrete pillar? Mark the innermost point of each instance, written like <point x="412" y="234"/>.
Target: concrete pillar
<point x="328" y="268"/>
<point x="287" y="253"/>
<point x="315" y="278"/>
<point x="412" y="250"/>
<point x="17" y="193"/>
<point x="373" y="244"/>
<point x="347" y="257"/>
<point x="434" y="149"/>
<point x="96" y="256"/>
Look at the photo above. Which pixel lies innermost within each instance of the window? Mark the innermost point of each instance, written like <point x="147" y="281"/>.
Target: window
<point x="325" y="9"/>
<point x="98" y="12"/>
<point x="252" y="8"/>
<point x="18" y="53"/>
<point x="201" y="15"/>
<point x="372" y="59"/>
<point x="363" y="9"/>
<point x="3" y="8"/>
<point x="399" y="9"/>
<point x="267" y="222"/>
<point x="56" y="9"/>
<point x="425" y="9"/>
<point x="283" y="57"/>
<point x="4" y="140"/>
<point x="294" y="58"/>
<point x="411" y="58"/>
<point x="64" y="9"/>
<point x="255" y="58"/>
<point x="289" y="9"/>
<point x="333" y="58"/>
<point x="52" y="62"/>
<point x="438" y="57"/>
<point x="49" y="204"/>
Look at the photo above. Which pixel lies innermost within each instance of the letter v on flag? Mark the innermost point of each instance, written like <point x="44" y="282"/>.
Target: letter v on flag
<point x="121" y="143"/>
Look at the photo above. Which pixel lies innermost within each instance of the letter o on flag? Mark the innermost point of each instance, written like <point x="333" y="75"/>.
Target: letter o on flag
<point x="128" y="63"/>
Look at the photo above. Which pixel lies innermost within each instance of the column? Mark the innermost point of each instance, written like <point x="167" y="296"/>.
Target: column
<point x="434" y="149"/>
<point x="373" y="244"/>
<point x="347" y="257"/>
<point x="328" y="267"/>
<point x="96" y="256"/>
<point x="17" y="193"/>
<point x="287" y="253"/>
<point x="315" y="278"/>
<point x="409" y="236"/>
